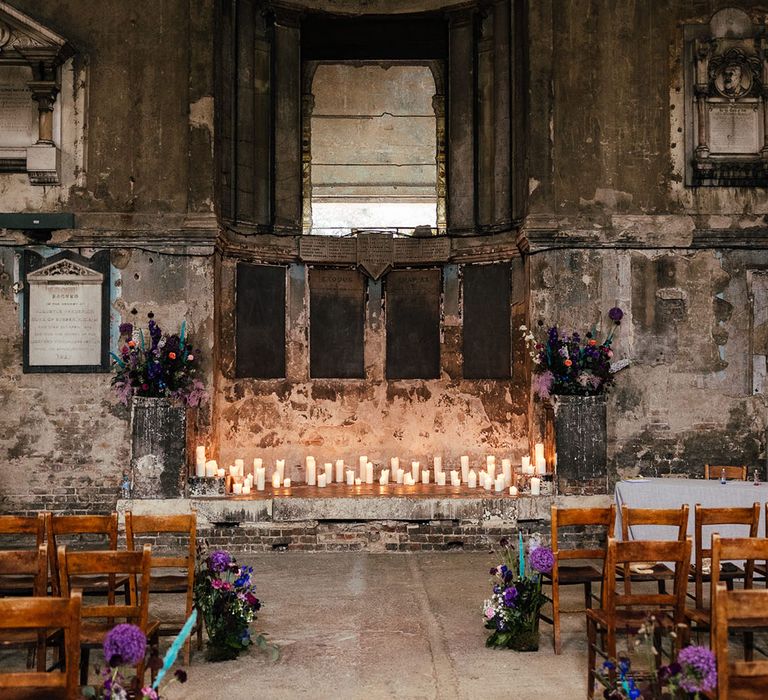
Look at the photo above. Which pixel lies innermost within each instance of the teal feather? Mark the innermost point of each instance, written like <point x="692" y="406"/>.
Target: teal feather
<point x="183" y="333"/>
<point x="117" y="359"/>
<point x="175" y="648"/>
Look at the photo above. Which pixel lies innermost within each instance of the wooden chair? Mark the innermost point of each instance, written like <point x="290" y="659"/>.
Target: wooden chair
<point x="32" y="565"/>
<point x="102" y="526"/>
<point x="707" y="517"/>
<point x="732" y="471"/>
<point x="581" y="574"/>
<point x="24" y="527"/>
<point x="676" y="518"/>
<point x="622" y="611"/>
<point x="737" y="610"/>
<point x="169" y="581"/>
<point x="98" y="619"/>
<point x="37" y="616"/>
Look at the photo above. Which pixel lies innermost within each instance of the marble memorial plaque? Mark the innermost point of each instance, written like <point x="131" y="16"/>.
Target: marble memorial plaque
<point x="734" y="128"/>
<point x="328" y="249"/>
<point x="422" y="250"/>
<point x="18" y="111"/>
<point x="375" y="253"/>
<point x="65" y="315"/>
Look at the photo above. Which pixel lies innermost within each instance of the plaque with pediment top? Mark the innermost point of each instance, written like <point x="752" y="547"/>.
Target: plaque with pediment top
<point x="375" y="253"/>
<point x="66" y="313"/>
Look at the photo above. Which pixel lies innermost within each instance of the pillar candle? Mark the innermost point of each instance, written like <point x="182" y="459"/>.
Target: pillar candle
<point x="499" y="484"/>
<point x="490" y="466"/>
<point x="394" y="465"/>
<point x="455" y="478"/>
<point x="526" y="462"/>
<point x="464" y="459"/>
<point x="280" y="467"/>
<point x="535" y="486"/>
<point x="487" y="481"/>
<point x="506" y="470"/>
<point x="440" y="478"/>
<point x="384" y="478"/>
<point x="328" y="473"/>
<point x="286" y="483"/>
<point x="541" y="467"/>
<point x="528" y="470"/>
<point x="369" y="473"/>
<point x="472" y="479"/>
<point x="220" y="473"/>
<point x="233" y="470"/>
<point x="437" y="463"/>
<point x="358" y="481"/>
<point x="211" y="468"/>
<point x="200" y="452"/>
<point x="340" y="471"/>
<point x="513" y="490"/>
<point x="311" y="473"/>
<point x="350" y="477"/>
<point x="425" y="476"/>
<point x="363" y="462"/>
<point x="399" y="476"/>
<point x="276" y="480"/>
<point x="200" y="460"/>
<point x="407" y="480"/>
<point x="538" y="451"/>
<point x="415" y="470"/>
<point x="321" y="480"/>
<point x="257" y="463"/>
<point x="237" y="489"/>
<point x="239" y="464"/>
<point x="247" y="488"/>
<point x="260" y="478"/>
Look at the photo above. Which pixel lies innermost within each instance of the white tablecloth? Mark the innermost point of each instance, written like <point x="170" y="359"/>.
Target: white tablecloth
<point x="672" y="493"/>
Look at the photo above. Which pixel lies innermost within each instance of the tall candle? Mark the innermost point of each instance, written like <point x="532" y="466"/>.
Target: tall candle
<point x="472" y="479"/>
<point x="350" y="477"/>
<point x="490" y="466"/>
<point x="455" y="478"/>
<point x="506" y="470"/>
<point x="437" y="463"/>
<point x="384" y="478"/>
<point x="260" y="478"/>
<point x="535" y="486"/>
<point x="464" y="468"/>
<point x="415" y="470"/>
<point x="394" y="464"/>
<point x="528" y="469"/>
<point x="440" y="478"/>
<point x="311" y="472"/>
<point x="541" y="467"/>
<point x="200" y="452"/>
<point x="200" y="460"/>
<point x="280" y="467"/>
<point x="328" y="473"/>
<point x="425" y="476"/>
<point x="211" y="468"/>
<point x="399" y="476"/>
<point x="258" y="462"/>
<point x="276" y="480"/>
<point x="526" y="462"/>
<point x="363" y="463"/>
<point x="239" y="464"/>
<point x="369" y="473"/>
<point x="538" y="451"/>
<point x="339" y="471"/>
<point x="233" y="470"/>
<point x="488" y="482"/>
<point x="321" y="480"/>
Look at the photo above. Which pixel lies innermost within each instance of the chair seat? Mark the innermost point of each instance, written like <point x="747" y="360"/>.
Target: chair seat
<point x="34" y="693"/>
<point x="699" y="616"/>
<point x="17" y="585"/>
<point x="92" y="633"/>
<point x="168" y="583"/>
<point x="577" y="573"/>
<point x="661" y="572"/>
<point x="627" y="619"/>
<point x="98" y="583"/>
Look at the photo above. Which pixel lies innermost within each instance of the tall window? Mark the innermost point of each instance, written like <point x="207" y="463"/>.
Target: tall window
<point x="373" y="141"/>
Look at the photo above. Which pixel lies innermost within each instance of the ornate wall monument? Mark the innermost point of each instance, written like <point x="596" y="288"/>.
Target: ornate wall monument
<point x="729" y="84"/>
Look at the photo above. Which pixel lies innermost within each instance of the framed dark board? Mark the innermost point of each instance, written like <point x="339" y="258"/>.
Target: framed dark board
<point x="413" y="324"/>
<point x="336" y="324"/>
<point x="487" y="319"/>
<point x="66" y="312"/>
<point x="260" y="321"/>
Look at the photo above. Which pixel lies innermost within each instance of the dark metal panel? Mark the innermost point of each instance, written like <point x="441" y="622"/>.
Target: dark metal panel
<point x="413" y="324"/>
<point x="260" y="321"/>
<point x="336" y="324"/>
<point x="487" y="340"/>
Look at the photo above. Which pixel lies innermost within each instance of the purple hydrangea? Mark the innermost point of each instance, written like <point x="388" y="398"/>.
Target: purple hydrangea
<point x="616" y="314"/>
<point x="219" y="560"/>
<point x="126" y="329"/>
<point x="699" y="669"/>
<point x="510" y="596"/>
<point x="125" y="644"/>
<point x="541" y="559"/>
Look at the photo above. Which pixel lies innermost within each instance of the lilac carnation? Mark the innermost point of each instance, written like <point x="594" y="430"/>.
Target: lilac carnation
<point x="124" y="644"/>
<point x="542" y="384"/>
<point x="541" y="559"/>
<point x="699" y="669"/>
<point x="616" y="314"/>
<point x="219" y="560"/>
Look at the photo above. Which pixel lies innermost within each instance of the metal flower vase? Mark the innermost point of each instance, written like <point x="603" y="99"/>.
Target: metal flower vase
<point x="158" y="448"/>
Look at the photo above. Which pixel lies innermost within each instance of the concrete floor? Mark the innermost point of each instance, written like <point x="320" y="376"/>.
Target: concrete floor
<point x="356" y="625"/>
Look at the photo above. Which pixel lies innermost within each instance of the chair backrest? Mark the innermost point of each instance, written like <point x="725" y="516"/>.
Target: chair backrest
<point x="34" y="562"/>
<point x="739" y="610"/>
<point x="663" y="517"/>
<point x="24" y="525"/>
<point x="623" y="554"/>
<point x="45" y="614"/>
<point x="58" y="525"/>
<point x="567" y="517"/>
<point x="732" y="471"/>
<point x="749" y="517"/>
<point x="130" y="564"/>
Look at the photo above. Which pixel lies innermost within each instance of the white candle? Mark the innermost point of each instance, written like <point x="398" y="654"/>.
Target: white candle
<point x="211" y="468"/>
<point x="233" y="470"/>
<point x="246" y="488"/>
<point x="490" y="466"/>
<point x="408" y="480"/>
<point x="472" y="479"/>
<point x="350" y="477"/>
<point x="321" y="480"/>
<point x="200" y="452"/>
<point x="554" y="460"/>
<point x="358" y="481"/>
<point x="257" y="463"/>
<point x="363" y="463"/>
<point x="399" y="476"/>
<point x="328" y="473"/>
<point x="506" y="470"/>
<point x="535" y="486"/>
<point x="276" y="480"/>
<point x="384" y="478"/>
<point x="415" y="470"/>
<point x="311" y="472"/>
<point x="499" y="484"/>
<point x="440" y="478"/>
<point x="541" y="467"/>
<point x="526" y="462"/>
<point x="280" y="466"/>
<point x="437" y="463"/>
<point x="200" y="460"/>
<point x="286" y="483"/>
<point x="464" y="468"/>
<point x="538" y="450"/>
<point x="425" y="476"/>
<point x="220" y="473"/>
<point x="528" y="469"/>
<point x="455" y="478"/>
<point x="237" y="488"/>
<point x="339" y="471"/>
<point x="260" y="478"/>
<point x="369" y="473"/>
<point x="488" y="482"/>
<point x="513" y="490"/>
<point x="239" y="464"/>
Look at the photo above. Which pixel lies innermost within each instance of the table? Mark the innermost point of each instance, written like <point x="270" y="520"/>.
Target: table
<point x="673" y="493"/>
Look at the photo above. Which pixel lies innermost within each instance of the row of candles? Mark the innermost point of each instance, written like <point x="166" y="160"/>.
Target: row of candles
<point x="322" y="476"/>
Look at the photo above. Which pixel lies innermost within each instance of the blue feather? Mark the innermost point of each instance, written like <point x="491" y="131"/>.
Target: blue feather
<point x="173" y="651"/>
<point x="117" y="359"/>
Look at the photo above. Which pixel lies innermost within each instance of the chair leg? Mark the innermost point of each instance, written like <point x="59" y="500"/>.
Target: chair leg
<point x="749" y="646"/>
<point x="85" y="654"/>
<point x="556" y="618"/>
<point x="591" y="657"/>
<point x="588" y="595"/>
<point x="187" y="651"/>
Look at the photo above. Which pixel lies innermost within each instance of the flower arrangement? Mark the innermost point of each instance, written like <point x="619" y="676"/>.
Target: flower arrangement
<point x="162" y="365"/>
<point x="226" y="596"/>
<point x="693" y="674"/>
<point x="126" y="645"/>
<point x="569" y="364"/>
<point x="512" y="611"/>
